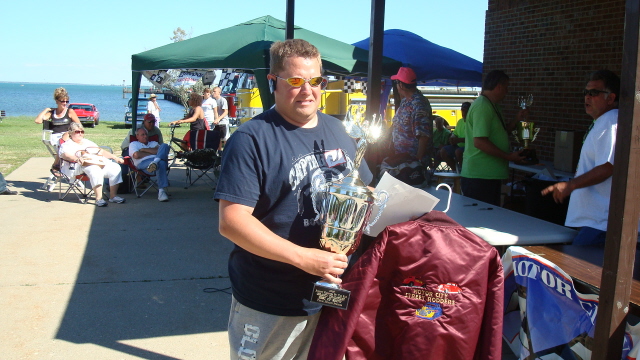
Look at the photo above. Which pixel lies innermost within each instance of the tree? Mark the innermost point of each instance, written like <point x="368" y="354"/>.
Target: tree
<point x="182" y="92"/>
<point x="179" y="35"/>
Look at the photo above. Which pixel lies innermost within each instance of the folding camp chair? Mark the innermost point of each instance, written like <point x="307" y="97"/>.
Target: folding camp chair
<point x="138" y="177"/>
<point x="50" y="184"/>
<point x="203" y="157"/>
<point x="78" y="185"/>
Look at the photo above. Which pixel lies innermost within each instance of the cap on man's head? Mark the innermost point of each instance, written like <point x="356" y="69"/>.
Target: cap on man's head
<point x="406" y="75"/>
<point x="150" y="118"/>
<point x="152" y="96"/>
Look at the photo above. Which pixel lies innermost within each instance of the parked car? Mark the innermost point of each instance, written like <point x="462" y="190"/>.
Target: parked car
<point x="142" y="111"/>
<point x="87" y="113"/>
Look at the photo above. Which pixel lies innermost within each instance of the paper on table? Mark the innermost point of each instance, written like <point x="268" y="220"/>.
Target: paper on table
<point x="405" y="202"/>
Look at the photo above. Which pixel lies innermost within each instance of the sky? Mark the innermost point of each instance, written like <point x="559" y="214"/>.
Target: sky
<point x="88" y="42"/>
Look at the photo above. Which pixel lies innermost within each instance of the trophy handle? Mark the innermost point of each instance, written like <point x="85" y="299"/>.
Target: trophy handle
<point x="535" y="134"/>
<point x="515" y="135"/>
<point x="380" y="198"/>
<point x="318" y="188"/>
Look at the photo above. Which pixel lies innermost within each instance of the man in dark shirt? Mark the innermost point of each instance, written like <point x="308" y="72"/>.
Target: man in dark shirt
<point x="266" y="209"/>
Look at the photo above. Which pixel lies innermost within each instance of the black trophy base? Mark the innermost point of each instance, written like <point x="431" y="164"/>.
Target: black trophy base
<point x="530" y="157"/>
<point x="330" y="295"/>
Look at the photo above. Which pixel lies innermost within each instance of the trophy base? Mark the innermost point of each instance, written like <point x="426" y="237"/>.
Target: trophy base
<point x="530" y="157"/>
<point x="330" y="295"/>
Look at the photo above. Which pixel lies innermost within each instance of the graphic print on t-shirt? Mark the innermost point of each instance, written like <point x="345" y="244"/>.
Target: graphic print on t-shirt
<point x="334" y="165"/>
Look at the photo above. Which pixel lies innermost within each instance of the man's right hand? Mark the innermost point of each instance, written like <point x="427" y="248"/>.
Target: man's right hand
<point x="516" y="157"/>
<point x="323" y="263"/>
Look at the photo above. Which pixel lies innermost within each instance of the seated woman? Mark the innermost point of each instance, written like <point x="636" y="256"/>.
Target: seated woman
<point x="84" y="156"/>
<point x="195" y="118"/>
<point x="59" y="119"/>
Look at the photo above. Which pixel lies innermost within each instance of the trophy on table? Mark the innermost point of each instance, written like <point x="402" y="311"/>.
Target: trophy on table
<point x="343" y="208"/>
<point x="526" y="133"/>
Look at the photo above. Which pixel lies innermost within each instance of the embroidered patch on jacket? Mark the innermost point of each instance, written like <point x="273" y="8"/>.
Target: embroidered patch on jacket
<point x="449" y="288"/>
<point x="429" y="311"/>
<point x="414" y="288"/>
<point x="412" y="281"/>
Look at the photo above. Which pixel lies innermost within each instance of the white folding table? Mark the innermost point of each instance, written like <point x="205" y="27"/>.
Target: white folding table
<point x="499" y="226"/>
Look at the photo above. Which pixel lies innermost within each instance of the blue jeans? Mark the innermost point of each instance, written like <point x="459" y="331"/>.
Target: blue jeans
<point x="161" y="171"/>
<point x="3" y="183"/>
<point x="589" y="236"/>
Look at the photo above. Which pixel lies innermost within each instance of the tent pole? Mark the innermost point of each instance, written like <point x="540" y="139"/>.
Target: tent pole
<point x="290" y="16"/>
<point x="135" y="91"/>
<point x="263" y="86"/>
<point x="622" y="228"/>
<point x="375" y="57"/>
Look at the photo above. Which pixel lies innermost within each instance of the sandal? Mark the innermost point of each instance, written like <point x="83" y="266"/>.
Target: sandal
<point x="56" y="172"/>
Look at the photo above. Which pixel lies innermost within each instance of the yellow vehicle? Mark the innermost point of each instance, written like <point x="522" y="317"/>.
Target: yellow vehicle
<point x="335" y="102"/>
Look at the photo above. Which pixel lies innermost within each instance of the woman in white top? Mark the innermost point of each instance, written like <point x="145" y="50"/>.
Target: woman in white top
<point x="209" y="106"/>
<point x="84" y="156"/>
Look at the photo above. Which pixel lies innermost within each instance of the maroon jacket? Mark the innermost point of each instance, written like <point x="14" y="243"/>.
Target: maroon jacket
<point x="426" y="289"/>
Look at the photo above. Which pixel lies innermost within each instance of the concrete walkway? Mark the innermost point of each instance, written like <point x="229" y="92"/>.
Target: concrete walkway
<point x="130" y="281"/>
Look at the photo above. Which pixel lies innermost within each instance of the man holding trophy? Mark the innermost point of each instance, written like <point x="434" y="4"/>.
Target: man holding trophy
<point x="267" y="208"/>
<point x="486" y="151"/>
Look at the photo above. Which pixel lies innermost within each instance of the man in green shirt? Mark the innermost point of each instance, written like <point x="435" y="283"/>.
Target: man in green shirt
<point x="486" y="154"/>
<point x="452" y="153"/>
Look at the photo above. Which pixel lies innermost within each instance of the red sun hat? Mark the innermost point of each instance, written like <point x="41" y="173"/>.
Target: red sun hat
<point x="149" y="117"/>
<point x="406" y="75"/>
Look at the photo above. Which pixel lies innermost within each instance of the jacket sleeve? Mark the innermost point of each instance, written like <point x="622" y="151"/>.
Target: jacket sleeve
<point x="490" y="340"/>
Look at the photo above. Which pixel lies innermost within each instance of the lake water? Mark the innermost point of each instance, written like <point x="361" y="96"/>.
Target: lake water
<point x="29" y="99"/>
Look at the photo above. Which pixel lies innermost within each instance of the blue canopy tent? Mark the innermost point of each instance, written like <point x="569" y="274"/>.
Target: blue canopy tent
<point x="434" y="65"/>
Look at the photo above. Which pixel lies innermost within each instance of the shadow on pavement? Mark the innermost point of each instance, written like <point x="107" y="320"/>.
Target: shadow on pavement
<point x="150" y="270"/>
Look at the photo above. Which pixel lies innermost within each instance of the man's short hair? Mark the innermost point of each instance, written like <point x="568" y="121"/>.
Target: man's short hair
<point x="143" y="129"/>
<point x="609" y="78"/>
<point x="465" y="106"/>
<point x="280" y="50"/>
<point x="493" y="79"/>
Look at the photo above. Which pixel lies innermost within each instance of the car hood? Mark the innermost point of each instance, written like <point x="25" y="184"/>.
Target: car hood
<point x="84" y="113"/>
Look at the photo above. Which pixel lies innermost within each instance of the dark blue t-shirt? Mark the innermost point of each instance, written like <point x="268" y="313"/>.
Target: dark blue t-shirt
<point x="268" y="164"/>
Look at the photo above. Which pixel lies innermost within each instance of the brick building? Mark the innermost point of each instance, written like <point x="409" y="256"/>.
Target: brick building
<point x="548" y="47"/>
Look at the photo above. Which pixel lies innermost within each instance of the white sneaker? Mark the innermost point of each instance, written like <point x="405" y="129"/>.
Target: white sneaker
<point x="162" y="195"/>
<point x="117" y="200"/>
<point x="101" y="203"/>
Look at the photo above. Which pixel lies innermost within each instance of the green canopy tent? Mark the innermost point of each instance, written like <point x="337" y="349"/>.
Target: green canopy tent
<point x="246" y="47"/>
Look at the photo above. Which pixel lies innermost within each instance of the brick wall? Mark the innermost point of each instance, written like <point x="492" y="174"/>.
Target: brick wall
<point x="547" y="48"/>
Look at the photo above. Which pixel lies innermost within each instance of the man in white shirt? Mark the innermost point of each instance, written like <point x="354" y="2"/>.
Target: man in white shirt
<point x="591" y="188"/>
<point x="154" y="108"/>
<point x="222" y="120"/>
<point x="152" y="157"/>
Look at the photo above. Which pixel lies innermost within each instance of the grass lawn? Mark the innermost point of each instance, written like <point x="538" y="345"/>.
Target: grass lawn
<point x="21" y="139"/>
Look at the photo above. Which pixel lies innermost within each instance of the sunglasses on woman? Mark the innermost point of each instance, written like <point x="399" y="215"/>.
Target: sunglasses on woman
<point x="298" y="81"/>
<point x="79" y="132"/>
<point x="64" y="101"/>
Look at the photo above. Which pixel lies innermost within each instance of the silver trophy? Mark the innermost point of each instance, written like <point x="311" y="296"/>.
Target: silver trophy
<point x="526" y="132"/>
<point x="344" y="207"/>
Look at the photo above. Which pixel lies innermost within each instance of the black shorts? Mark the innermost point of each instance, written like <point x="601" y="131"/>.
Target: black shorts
<point x="222" y="129"/>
